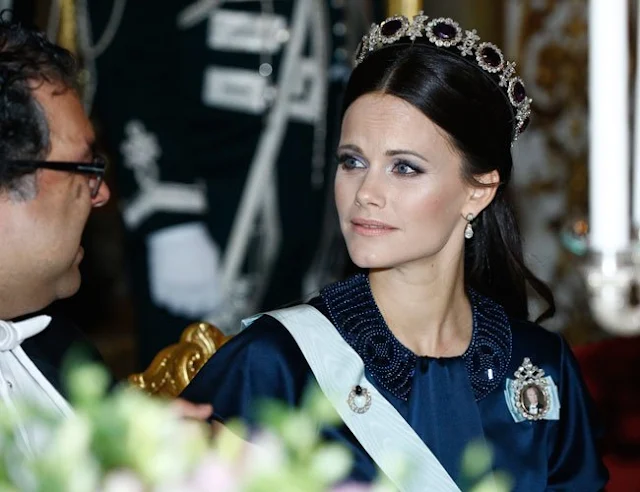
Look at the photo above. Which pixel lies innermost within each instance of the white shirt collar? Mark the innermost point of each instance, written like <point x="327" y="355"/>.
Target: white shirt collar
<point x="13" y="334"/>
<point x="22" y="383"/>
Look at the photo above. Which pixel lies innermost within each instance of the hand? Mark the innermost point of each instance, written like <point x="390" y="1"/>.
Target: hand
<point x="184" y="270"/>
<point x="189" y="410"/>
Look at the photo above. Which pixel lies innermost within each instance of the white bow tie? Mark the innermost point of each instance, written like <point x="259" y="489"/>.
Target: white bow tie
<point x="13" y="334"/>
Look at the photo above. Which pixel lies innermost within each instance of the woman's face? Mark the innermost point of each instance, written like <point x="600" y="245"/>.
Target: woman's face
<point x="399" y="192"/>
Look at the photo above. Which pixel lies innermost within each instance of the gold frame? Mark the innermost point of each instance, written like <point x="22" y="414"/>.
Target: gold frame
<point x="175" y="366"/>
<point x="408" y="8"/>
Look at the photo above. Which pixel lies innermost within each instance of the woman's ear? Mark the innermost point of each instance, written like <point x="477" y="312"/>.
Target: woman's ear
<point x="480" y="196"/>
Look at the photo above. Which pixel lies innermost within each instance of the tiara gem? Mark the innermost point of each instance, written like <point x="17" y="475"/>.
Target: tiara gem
<point x="489" y="57"/>
<point x="444" y="32"/>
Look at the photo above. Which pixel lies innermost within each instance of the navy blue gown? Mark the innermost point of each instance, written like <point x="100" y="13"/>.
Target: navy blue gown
<point x="449" y="401"/>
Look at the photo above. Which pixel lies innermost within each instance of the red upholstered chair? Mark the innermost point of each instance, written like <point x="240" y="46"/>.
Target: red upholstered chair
<point x="611" y="369"/>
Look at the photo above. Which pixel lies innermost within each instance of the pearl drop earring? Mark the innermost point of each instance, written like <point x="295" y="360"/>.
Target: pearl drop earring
<point x="468" y="230"/>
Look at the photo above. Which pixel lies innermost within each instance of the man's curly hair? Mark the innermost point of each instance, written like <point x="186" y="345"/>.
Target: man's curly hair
<point x="27" y="60"/>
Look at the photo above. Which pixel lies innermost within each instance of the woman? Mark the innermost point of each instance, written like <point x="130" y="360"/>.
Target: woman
<point x="437" y="327"/>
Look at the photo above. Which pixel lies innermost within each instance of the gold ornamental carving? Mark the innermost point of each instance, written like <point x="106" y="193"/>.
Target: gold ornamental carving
<point x="175" y="366"/>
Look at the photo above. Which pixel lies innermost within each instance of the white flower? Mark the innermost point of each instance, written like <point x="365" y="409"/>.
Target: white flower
<point x="159" y="445"/>
<point x="264" y="454"/>
<point x="88" y="384"/>
<point x="299" y="432"/>
<point x="332" y="462"/>
<point x="122" y="481"/>
<point x="130" y="442"/>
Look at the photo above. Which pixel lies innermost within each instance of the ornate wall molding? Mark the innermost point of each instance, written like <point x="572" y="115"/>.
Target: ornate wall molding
<point x="549" y="40"/>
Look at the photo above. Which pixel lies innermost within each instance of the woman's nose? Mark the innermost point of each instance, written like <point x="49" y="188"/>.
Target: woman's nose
<point x="371" y="190"/>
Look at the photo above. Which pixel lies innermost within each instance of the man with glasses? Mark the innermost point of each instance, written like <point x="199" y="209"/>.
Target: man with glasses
<point x="50" y="180"/>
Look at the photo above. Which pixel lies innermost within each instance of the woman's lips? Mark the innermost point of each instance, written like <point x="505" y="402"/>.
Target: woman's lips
<point x="368" y="227"/>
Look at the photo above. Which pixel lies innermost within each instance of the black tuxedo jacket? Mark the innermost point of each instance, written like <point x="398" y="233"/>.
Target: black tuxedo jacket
<point x="60" y="344"/>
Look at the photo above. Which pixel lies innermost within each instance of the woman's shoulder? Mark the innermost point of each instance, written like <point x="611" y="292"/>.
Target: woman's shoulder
<point x="525" y="331"/>
<point x="546" y="349"/>
<point x="263" y="341"/>
<point x="262" y="361"/>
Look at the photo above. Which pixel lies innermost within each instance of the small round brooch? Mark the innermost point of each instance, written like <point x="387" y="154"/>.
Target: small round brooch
<point x="359" y="399"/>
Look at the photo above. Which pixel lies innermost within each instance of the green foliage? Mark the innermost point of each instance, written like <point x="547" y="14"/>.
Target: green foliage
<point x="126" y="441"/>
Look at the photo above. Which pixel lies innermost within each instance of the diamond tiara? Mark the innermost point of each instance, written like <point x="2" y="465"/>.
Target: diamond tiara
<point x="444" y="32"/>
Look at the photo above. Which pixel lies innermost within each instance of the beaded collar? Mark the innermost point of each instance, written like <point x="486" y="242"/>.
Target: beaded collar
<point x="357" y="318"/>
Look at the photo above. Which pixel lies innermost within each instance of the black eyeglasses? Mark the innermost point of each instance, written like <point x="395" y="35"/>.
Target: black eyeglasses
<point x="95" y="169"/>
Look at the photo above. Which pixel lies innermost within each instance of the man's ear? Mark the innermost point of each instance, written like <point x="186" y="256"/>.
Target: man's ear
<point x="480" y="196"/>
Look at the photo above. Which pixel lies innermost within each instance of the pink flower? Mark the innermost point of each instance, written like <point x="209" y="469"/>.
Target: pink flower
<point x="214" y="474"/>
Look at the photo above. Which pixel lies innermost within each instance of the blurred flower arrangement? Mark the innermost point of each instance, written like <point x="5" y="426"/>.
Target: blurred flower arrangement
<point x="126" y="441"/>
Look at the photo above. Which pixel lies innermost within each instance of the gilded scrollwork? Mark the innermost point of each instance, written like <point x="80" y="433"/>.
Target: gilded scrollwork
<point x="176" y="365"/>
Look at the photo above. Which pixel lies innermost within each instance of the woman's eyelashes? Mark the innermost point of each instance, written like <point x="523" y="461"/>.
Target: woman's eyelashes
<point x="406" y="168"/>
<point x="402" y="167"/>
<point x="349" y="161"/>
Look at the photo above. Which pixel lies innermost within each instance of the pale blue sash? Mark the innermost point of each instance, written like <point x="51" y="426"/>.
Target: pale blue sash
<point x="395" y="447"/>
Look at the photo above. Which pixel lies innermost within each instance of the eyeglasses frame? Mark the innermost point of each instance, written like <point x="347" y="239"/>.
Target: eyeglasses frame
<point x="96" y="168"/>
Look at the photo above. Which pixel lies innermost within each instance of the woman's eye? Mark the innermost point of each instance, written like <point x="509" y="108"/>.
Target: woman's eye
<point x="349" y="162"/>
<point x="404" y="168"/>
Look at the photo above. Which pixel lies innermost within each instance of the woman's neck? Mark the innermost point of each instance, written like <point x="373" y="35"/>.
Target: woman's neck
<point x="429" y="314"/>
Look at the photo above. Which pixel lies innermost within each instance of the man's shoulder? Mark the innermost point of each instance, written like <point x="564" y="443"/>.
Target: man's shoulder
<point x="60" y="336"/>
<point x="61" y="342"/>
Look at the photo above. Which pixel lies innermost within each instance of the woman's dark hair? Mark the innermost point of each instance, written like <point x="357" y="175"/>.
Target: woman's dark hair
<point x="465" y="102"/>
<point x="27" y="60"/>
